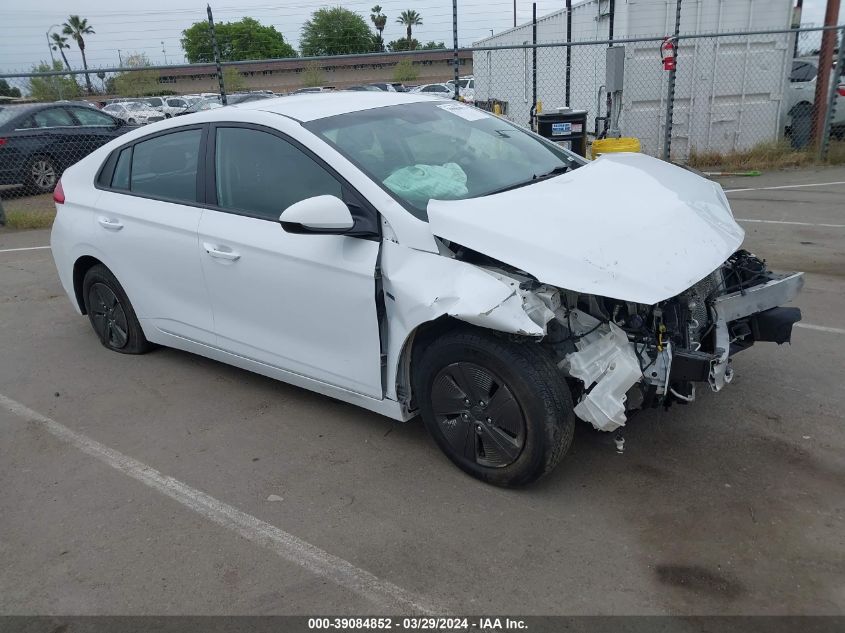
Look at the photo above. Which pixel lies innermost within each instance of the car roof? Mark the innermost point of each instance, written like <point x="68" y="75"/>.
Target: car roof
<point x="319" y="105"/>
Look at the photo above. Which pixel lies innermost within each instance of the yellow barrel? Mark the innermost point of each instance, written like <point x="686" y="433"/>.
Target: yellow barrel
<point x="608" y="145"/>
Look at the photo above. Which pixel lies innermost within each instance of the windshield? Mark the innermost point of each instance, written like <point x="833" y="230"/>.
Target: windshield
<point x="441" y="150"/>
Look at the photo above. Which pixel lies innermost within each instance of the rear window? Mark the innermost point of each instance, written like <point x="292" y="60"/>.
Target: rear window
<point x="166" y="166"/>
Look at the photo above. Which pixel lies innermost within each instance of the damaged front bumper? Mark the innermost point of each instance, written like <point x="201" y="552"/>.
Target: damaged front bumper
<point x="631" y="362"/>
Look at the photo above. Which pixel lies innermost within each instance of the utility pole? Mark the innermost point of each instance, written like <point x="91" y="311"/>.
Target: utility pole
<point x="514" y="13"/>
<point x="455" y="60"/>
<point x="164" y="51"/>
<point x="216" y="50"/>
<point x="119" y="58"/>
<point x="831" y="16"/>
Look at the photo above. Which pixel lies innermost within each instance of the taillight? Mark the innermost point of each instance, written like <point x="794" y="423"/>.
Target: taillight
<point x="840" y="90"/>
<point x="2" y="142"/>
<point x="59" y="194"/>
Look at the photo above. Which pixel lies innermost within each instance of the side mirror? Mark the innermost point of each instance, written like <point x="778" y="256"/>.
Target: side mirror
<point x="320" y="214"/>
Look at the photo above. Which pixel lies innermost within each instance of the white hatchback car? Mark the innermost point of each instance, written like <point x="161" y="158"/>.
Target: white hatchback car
<point x="414" y="256"/>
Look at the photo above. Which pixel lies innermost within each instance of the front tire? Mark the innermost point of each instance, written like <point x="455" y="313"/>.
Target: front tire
<point x="111" y="314"/>
<point x="499" y="409"/>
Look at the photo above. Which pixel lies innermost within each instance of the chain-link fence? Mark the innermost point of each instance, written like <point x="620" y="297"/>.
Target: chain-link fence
<point x="732" y="93"/>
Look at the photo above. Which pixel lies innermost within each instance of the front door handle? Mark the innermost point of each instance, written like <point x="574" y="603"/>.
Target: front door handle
<point x="218" y="252"/>
<point x="111" y="225"/>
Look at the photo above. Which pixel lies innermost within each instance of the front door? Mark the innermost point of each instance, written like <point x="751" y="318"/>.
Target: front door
<point x="302" y="303"/>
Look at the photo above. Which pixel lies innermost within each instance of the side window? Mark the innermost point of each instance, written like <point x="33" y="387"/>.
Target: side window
<point x="54" y="117"/>
<point x="263" y="175"/>
<point x="92" y="117"/>
<point x="166" y="166"/>
<point x="120" y="179"/>
<point x="176" y="103"/>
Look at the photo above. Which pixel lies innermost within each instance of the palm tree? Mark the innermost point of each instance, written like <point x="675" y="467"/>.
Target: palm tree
<point x="60" y="44"/>
<point x="378" y="19"/>
<point x="409" y="18"/>
<point x="76" y="27"/>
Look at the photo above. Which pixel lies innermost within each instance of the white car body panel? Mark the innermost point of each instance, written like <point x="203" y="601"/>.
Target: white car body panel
<point x="302" y="308"/>
<point x="679" y="224"/>
<point x="305" y="303"/>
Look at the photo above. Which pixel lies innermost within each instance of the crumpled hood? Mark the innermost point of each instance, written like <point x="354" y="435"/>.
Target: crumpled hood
<point x="626" y="226"/>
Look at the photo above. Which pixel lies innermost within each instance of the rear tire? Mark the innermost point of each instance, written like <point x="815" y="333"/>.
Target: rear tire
<point x="500" y="410"/>
<point x="111" y="314"/>
<point x="42" y="174"/>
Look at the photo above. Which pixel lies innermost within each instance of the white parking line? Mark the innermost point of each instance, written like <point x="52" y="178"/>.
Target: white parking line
<point x="287" y="546"/>
<point x="812" y="184"/>
<point x="28" y="248"/>
<point x="791" y="223"/>
<point x="820" y="328"/>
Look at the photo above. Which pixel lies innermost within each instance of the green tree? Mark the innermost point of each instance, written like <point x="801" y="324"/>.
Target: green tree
<point x="237" y="41"/>
<point x="52" y="87"/>
<point x="405" y="71"/>
<point x="76" y="27"/>
<point x="432" y="45"/>
<point x="379" y="20"/>
<point x="59" y="43"/>
<point x="136" y="83"/>
<point x="313" y="77"/>
<point x="233" y="80"/>
<point x="8" y="91"/>
<point x="402" y="44"/>
<point x="336" y="31"/>
<point x="409" y="18"/>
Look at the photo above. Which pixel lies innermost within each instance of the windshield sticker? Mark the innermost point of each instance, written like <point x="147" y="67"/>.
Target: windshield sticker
<point x="470" y="114"/>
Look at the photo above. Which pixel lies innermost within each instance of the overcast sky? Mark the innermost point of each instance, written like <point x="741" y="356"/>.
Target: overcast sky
<point x="154" y="26"/>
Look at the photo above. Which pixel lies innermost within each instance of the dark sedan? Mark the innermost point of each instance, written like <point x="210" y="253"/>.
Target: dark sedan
<point x="39" y="141"/>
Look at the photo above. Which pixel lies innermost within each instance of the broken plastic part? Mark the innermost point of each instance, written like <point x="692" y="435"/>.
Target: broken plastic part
<point x="611" y="364"/>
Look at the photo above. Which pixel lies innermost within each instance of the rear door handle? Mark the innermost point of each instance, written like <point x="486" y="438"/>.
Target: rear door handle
<point x="111" y="225"/>
<point x="218" y="252"/>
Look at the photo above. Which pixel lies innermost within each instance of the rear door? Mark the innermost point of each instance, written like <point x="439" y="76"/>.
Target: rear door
<point x="147" y="219"/>
<point x="302" y="303"/>
<point x="94" y="128"/>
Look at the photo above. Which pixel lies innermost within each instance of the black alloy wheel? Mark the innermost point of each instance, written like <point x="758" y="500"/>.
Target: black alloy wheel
<point x="478" y="415"/>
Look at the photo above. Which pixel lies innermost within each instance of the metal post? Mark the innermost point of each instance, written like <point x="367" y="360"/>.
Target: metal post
<point x="834" y="93"/>
<point x="670" y="94"/>
<point x="796" y="24"/>
<point x="216" y="56"/>
<point x="533" y="63"/>
<point x="608" y="95"/>
<point x="50" y="47"/>
<point x="514" y="13"/>
<point x="455" y="47"/>
<point x="568" y="49"/>
<point x="831" y="16"/>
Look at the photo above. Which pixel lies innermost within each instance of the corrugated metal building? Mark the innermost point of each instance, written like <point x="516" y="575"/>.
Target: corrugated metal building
<point x="729" y="90"/>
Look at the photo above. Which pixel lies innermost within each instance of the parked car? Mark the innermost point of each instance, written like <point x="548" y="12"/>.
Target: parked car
<point x="399" y="87"/>
<point x="466" y="88"/>
<point x="169" y="106"/>
<point x="363" y="88"/>
<point x="212" y="103"/>
<point x="39" y="141"/>
<point x="440" y="90"/>
<point x="418" y="256"/>
<point x="801" y="94"/>
<point x="314" y="89"/>
<point x="384" y="86"/>
<point x="134" y="112"/>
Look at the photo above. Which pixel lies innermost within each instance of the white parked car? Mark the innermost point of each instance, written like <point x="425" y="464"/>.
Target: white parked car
<point x="169" y="106"/>
<point x="436" y="90"/>
<point x="466" y="89"/>
<point x="801" y="94"/>
<point x="134" y="112"/>
<point x="416" y="256"/>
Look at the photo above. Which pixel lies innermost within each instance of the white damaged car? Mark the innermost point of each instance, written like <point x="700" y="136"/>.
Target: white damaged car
<point x="419" y="257"/>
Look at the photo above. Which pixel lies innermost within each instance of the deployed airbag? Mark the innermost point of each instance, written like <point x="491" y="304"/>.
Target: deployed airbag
<point x="420" y="183"/>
